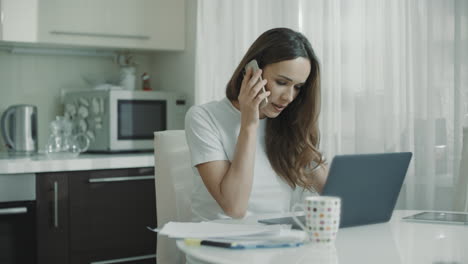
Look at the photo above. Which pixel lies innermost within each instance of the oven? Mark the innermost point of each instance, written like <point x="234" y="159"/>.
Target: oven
<point x="18" y="241"/>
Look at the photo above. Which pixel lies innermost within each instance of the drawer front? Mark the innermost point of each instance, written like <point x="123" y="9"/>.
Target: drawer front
<point x="18" y="232"/>
<point x="109" y="212"/>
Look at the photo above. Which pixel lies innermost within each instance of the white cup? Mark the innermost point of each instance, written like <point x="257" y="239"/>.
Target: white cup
<point x="322" y="214"/>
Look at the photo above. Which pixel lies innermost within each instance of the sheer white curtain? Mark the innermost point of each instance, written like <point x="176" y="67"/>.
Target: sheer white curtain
<point x="394" y="77"/>
<point x="225" y="30"/>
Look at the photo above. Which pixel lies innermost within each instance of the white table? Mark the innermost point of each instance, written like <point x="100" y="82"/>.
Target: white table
<point x="394" y="242"/>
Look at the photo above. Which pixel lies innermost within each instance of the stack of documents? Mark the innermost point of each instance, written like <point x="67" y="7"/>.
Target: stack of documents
<point x="236" y="236"/>
<point x="211" y="229"/>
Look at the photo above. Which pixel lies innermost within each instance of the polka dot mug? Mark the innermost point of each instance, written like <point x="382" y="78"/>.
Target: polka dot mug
<point x="322" y="215"/>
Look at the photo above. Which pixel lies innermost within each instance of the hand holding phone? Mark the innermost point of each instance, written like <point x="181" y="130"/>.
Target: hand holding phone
<point x="253" y="64"/>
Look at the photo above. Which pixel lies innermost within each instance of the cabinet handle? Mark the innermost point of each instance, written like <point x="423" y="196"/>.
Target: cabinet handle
<point x="13" y="210"/>
<point x="99" y="35"/>
<point x="110" y="261"/>
<point x="56" y="223"/>
<point x="119" y="179"/>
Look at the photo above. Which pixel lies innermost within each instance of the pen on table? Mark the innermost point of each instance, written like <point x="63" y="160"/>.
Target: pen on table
<point x="200" y="242"/>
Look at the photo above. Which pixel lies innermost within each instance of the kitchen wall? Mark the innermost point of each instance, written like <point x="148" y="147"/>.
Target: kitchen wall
<point x="38" y="79"/>
<point x="176" y="70"/>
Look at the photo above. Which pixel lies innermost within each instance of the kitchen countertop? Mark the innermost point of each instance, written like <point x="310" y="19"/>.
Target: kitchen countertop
<point x="17" y="163"/>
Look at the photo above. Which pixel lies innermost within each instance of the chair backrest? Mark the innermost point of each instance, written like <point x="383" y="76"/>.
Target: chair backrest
<point x="461" y="197"/>
<point x="174" y="183"/>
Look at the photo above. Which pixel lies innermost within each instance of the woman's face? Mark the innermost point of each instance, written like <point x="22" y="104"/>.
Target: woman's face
<point x="285" y="79"/>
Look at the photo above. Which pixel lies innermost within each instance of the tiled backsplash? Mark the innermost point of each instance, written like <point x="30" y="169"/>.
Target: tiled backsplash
<point x="38" y="80"/>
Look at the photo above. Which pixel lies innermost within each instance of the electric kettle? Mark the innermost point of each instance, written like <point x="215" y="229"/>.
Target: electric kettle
<point x="19" y="128"/>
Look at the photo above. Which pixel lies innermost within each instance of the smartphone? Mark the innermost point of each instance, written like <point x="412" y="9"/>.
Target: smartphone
<point x="253" y="64"/>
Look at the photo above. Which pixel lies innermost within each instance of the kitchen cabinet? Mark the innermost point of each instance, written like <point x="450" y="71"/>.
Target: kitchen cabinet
<point x="18" y="243"/>
<point x="128" y="24"/>
<point x="18" y="20"/>
<point x="96" y="216"/>
<point x="52" y="217"/>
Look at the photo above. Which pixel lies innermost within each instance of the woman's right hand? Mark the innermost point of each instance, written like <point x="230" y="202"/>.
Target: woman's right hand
<point x="250" y="98"/>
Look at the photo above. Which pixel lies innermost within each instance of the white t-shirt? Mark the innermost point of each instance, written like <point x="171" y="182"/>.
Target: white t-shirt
<point x="212" y="130"/>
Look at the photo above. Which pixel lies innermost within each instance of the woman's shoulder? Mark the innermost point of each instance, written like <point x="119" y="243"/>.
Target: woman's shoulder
<point x="213" y="108"/>
<point x="201" y="110"/>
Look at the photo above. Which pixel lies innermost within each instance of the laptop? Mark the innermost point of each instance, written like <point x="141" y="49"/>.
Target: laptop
<point x="368" y="184"/>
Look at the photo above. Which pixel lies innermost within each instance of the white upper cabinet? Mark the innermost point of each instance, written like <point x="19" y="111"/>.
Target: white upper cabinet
<point x="129" y="24"/>
<point x="18" y="20"/>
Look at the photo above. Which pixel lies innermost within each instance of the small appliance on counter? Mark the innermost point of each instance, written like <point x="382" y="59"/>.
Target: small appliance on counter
<point x="19" y="128"/>
<point x="123" y="120"/>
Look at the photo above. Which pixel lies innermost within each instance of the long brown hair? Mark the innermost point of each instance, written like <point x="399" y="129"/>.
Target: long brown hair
<point x="292" y="138"/>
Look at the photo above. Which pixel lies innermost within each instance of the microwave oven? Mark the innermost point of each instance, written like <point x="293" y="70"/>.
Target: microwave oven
<point x="123" y="120"/>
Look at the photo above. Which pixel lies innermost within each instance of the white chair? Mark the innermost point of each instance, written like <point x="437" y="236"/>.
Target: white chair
<point x="174" y="181"/>
<point x="461" y="197"/>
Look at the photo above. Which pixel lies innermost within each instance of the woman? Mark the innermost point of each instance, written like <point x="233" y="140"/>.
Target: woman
<point x="249" y="159"/>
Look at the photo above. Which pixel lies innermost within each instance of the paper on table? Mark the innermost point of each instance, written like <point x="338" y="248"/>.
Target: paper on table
<point x="212" y="230"/>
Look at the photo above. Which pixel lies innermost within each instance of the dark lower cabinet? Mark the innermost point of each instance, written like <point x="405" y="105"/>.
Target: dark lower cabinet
<point x="52" y="217"/>
<point x="18" y="243"/>
<point x="102" y="216"/>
